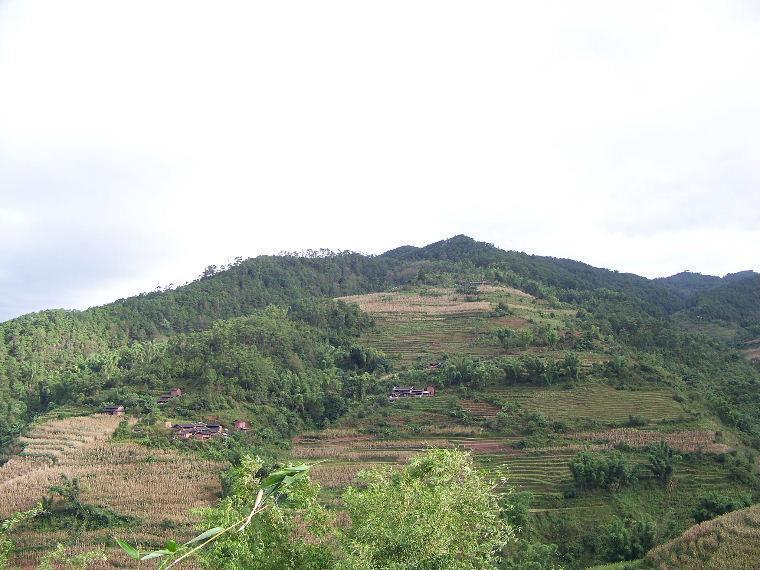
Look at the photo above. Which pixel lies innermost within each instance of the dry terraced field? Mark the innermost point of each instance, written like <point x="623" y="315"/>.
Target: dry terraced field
<point x="731" y="541"/>
<point x="413" y="325"/>
<point x="158" y="487"/>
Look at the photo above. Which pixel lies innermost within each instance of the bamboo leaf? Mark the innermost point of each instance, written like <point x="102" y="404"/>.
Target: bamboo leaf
<point x="156" y="554"/>
<point x="131" y="551"/>
<point x="208" y="534"/>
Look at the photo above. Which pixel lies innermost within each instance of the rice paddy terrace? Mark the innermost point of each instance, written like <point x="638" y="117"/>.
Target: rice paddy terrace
<point x="156" y="488"/>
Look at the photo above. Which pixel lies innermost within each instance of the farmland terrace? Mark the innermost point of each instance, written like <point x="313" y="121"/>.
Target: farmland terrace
<point x="423" y="323"/>
<point x="156" y="488"/>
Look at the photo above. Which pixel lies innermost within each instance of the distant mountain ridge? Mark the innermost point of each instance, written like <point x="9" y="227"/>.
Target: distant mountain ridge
<point x="690" y="283"/>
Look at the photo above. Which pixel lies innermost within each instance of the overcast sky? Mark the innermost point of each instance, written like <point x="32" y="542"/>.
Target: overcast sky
<point x="143" y="140"/>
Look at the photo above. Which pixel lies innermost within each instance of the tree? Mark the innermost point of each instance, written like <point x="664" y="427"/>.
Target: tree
<point x="438" y="513"/>
<point x="661" y="461"/>
<point x="607" y="471"/>
<point x="571" y="366"/>
<point x="525" y="337"/>
<point x="628" y="540"/>
<point x="713" y="504"/>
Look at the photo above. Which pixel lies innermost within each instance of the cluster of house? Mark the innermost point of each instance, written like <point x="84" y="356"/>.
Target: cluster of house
<point x="411" y="392"/>
<point x="194" y="430"/>
<point x="203" y="430"/>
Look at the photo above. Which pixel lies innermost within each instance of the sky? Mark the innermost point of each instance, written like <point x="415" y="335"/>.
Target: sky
<point x="141" y="141"/>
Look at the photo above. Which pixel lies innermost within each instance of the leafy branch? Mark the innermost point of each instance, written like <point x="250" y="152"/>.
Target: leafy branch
<point x="271" y="488"/>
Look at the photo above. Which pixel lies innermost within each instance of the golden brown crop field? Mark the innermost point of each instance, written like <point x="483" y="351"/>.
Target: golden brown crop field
<point x="685" y="441"/>
<point x="442" y="302"/>
<point x="158" y="487"/>
<point x="729" y="541"/>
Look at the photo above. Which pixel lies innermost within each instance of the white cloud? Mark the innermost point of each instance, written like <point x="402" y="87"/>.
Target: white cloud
<point x="177" y="133"/>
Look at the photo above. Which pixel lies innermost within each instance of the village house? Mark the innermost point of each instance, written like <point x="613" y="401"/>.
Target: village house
<point x="198" y="430"/>
<point x="242" y="424"/>
<point x="411" y="392"/>
<point x="167" y="396"/>
<point x="114" y="410"/>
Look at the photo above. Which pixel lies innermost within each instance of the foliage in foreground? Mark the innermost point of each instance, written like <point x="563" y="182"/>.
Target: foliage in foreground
<point x="438" y="513"/>
<point x="236" y="514"/>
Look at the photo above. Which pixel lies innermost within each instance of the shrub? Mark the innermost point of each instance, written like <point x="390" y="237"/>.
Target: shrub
<point x="607" y="471"/>
<point x="661" y="461"/>
<point x="713" y="504"/>
<point x="439" y="512"/>
<point x="628" y="540"/>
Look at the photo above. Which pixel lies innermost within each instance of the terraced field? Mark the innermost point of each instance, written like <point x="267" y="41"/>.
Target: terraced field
<point x="158" y="488"/>
<point x="542" y="473"/>
<point x="407" y="341"/>
<point x="413" y="325"/>
<point x="597" y="402"/>
<point x="730" y="541"/>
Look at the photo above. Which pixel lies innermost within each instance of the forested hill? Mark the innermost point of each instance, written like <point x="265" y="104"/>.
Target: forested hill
<point x="737" y="301"/>
<point x="689" y="284"/>
<point x="41" y="350"/>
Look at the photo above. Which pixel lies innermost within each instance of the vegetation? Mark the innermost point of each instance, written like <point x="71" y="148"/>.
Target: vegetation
<point x="729" y="541"/>
<point x="437" y="513"/>
<point x="614" y="400"/>
<point x="714" y="504"/>
<point x="662" y="461"/>
<point x="607" y="471"/>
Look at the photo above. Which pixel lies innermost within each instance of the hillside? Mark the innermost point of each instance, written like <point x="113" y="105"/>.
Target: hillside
<point x="141" y="491"/>
<point x="730" y="541"/>
<point x="536" y="363"/>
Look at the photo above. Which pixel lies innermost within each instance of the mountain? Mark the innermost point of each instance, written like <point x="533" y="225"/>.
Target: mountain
<point x="40" y="349"/>
<point x="690" y="284"/>
<point x="556" y="370"/>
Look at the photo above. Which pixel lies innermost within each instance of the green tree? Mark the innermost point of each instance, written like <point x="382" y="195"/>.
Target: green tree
<point x="714" y="504"/>
<point x="525" y="337"/>
<point x="286" y="535"/>
<point x="627" y="540"/>
<point x="438" y="513"/>
<point x="571" y="366"/>
<point x="607" y="471"/>
<point x="661" y="461"/>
